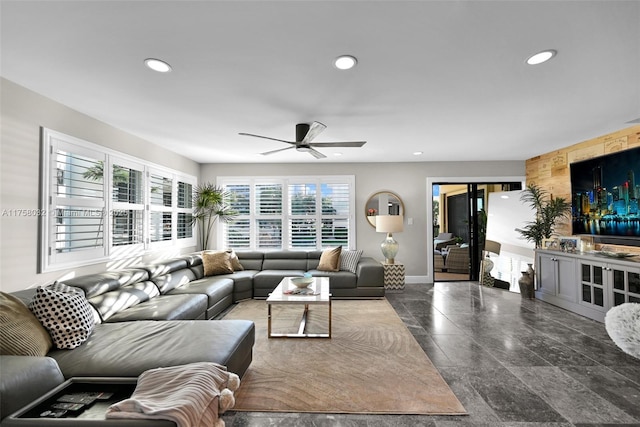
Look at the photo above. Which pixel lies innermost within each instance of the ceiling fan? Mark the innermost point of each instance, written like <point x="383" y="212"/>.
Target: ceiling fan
<point x="305" y="133"/>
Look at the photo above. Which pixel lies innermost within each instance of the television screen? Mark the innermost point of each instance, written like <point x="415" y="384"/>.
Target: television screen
<point x="605" y="193"/>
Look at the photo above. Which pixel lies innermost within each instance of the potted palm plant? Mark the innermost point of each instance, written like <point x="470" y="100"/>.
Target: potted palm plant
<point x="209" y="204"/>
<point x="549" y="210"/>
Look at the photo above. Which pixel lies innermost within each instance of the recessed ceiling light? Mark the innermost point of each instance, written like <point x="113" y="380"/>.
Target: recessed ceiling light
<point x="541" y="57"/>
<point x="337" y="154"/>
<point x="345" y="62"/>
<point x="417" y="153"/>
<point x="157" y="65"/>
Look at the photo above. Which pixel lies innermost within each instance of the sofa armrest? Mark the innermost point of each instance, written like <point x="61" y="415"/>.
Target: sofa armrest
<point x="370" y="273"/>
<point x="24" y="379"/>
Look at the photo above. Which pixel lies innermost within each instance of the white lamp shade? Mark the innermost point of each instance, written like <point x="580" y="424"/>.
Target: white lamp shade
<point x="389" y="223"/>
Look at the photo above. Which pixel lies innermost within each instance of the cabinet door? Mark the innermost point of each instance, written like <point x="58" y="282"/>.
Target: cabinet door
<point x="592" y="281"/>
<point x="625" y="284"/>
<point x="566" y="270"/>
<point x="547" y="274"/>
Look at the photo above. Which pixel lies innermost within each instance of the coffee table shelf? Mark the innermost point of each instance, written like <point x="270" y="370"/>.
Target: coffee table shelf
<point x="320" y="296"/>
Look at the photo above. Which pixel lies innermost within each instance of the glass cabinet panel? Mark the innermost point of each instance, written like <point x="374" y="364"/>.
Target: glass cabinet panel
<point x="597" y="275"/>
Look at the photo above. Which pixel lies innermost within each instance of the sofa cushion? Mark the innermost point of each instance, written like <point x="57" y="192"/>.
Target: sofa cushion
<point x="165" y="267"/>
<point x="250" y="260"/>
<point x="216" y="263"/>
<point x="25" y="379"/>
<point x="65" y="313"/>
<point x="97" y="284"/>
<point x="151" y="344"/>
<point x="269" y="279"/>
<point x="284" y="260"/>
<point x="20" y="331"/>
<point x="330" y="259"/>
<point x="337" y="279"/>
<point x="349" y="260"/>
<point x="165" y="307"/>
<point x="110" y="303"/>
<point x="167" y="282"/>
<point x="215" y="288"/>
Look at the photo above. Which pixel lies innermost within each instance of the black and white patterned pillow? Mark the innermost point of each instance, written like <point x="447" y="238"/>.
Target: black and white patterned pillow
<point x="65" y="313"/>
<point x="349" y="260"/>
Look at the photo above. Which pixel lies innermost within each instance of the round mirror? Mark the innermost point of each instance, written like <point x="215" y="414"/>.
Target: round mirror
<point x="383" y="203"/>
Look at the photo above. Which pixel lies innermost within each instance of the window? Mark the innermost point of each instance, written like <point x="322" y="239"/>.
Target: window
<point x="289" y="212"/>
<point x="100" y="205"/>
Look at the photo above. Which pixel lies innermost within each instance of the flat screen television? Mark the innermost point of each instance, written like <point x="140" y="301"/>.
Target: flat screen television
<point x="604" y="197"/>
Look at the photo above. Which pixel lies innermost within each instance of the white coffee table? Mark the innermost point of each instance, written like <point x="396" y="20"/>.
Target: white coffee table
<point x="320" y="296"/>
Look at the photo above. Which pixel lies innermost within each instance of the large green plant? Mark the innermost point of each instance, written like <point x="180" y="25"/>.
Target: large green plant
<point x="209" y="204"/>
<point x="549" y="211"/>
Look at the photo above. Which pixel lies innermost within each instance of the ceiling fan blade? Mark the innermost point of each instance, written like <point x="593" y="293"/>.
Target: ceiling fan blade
<point x="314" y="130"/>
<point x="339" y="144"/>
<point x="276" y="151"/>
<point x="316" y="154"/>
<point x="266" y="137"/>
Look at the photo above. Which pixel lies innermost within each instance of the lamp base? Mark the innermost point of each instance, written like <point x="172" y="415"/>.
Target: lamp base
<point x="389" y="249"/>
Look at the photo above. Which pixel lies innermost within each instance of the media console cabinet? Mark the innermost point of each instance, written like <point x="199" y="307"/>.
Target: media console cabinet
<point x="588" y="284"/>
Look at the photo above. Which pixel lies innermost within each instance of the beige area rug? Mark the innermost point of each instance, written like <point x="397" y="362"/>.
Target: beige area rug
<point x="372" y="364"/>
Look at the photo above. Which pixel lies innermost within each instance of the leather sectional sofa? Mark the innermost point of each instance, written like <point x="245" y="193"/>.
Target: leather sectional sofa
<point x="155" y="315"/>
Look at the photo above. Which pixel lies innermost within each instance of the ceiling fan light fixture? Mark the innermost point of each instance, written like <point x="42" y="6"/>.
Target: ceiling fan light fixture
<point x="345" y="62"/>
<point x="157" y="65"/>
<point x="541" y="57"/>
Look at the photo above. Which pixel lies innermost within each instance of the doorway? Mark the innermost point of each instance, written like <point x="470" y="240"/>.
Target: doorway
<point x="459" y="212"/>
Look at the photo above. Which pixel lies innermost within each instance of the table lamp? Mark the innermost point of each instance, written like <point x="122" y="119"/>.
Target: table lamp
<point x="389" y="224"/>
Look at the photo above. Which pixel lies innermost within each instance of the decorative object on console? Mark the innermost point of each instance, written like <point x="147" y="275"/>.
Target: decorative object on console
<point x="389" y="224"/>
<point x="623" y="326"/>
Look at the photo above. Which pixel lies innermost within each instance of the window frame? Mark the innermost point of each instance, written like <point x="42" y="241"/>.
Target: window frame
<point x="286" y="216"/>
<point x="49" y="260"/>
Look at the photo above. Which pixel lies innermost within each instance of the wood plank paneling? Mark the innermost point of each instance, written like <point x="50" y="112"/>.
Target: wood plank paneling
<point x="551" y="170"/>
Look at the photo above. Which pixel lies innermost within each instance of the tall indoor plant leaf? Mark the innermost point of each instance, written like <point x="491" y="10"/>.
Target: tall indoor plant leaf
<point x="548" y="210"/>
<point x="209" y="204"/>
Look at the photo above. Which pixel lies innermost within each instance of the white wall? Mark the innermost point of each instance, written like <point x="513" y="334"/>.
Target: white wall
<point x="23" y="112"/>
<point x="407" y="180"/>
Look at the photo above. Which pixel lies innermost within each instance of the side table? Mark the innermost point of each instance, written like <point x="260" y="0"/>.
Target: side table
<point x="393" y="276"/>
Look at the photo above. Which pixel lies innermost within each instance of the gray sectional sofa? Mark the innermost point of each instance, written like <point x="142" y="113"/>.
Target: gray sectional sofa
<point x="163" y="314"/>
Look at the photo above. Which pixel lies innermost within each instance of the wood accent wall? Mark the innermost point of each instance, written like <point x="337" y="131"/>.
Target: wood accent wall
<point x="551" y="170"/>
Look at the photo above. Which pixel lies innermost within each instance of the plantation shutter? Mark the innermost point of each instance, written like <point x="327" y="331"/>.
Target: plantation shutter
<point x="336" y="214"/>
<point x="238" y="231"/>
<point x="303" y="215"/>
<point x="269" y="215"/>
<point x="77" y="203"/>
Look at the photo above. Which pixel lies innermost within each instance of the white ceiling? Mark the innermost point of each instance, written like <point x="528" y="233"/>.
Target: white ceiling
<point x="444" y="77"/>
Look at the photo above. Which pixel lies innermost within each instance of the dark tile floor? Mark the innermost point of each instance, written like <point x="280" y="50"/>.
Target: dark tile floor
<point x="511" y="362"/>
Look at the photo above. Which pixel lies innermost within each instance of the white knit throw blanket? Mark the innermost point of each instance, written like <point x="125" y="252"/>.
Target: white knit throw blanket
<point x="187" y="395"/>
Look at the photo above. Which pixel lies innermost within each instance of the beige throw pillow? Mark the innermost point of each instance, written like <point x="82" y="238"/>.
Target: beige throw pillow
<point x="21" y="334"/>
<point x="330" y="259"/>
<point x="216" y="263"/>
